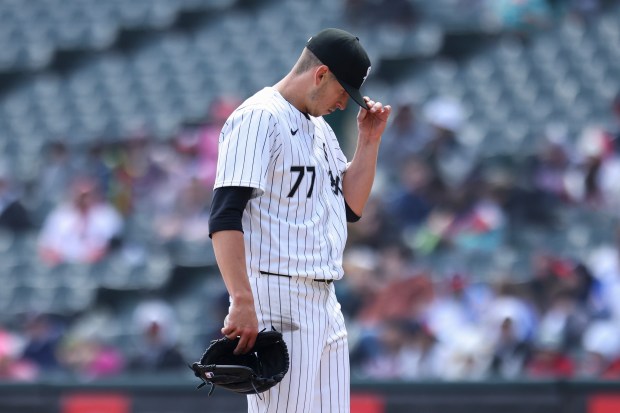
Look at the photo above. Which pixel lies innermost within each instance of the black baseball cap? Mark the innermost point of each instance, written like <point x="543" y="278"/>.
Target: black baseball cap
<point x="346" y="58"/>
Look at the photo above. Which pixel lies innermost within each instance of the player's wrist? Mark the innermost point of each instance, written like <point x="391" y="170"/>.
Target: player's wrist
<point x="368" y="140"/>
<point x="243" y="298"/>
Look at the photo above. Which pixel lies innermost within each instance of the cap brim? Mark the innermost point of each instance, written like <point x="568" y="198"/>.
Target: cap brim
<point x="355" y="94"/>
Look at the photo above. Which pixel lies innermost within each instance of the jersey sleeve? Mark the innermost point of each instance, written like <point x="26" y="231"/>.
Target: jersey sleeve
<point x="245" y="149"/>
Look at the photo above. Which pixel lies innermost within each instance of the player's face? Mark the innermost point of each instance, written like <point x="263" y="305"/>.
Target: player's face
<point x="329" y="96"/>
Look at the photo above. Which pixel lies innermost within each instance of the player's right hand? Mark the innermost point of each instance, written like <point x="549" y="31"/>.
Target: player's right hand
<point x="241" y="322"/>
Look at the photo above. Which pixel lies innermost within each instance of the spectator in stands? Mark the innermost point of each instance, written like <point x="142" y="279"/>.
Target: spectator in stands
<point x="614" y="128"/>
<point x="466" y="355"/>
<point x="376" y="227"/>
<point x="601" y="345"/>
<point x="189" y="147"/>
<point x="514" y="187"/>
<point x="57" y="171"/>
<point x="549" y="360"/>
<point x="605" y="266"/>
<point x="138" y="175"/>
<point x="396" y="262"/>
<point x="423" y="360"/>
<point x="157" y="346"/>
<point x="510" y="299"/>
<point x="552" y="164"/>
<point x="209" y="136"/>
<point x="585" y="288"/>
<point x="469" y="218"/>
<point x="402" y="350"/>
<point x="457" y="304"/>
<point x="12" y="367"/>
<point x="375" y="292"/>
<point x="511" y="350"/>
<point x="451" y="161"/>
<point x="415" y="197"/>
<point x="187" y="218"/>
<point x="434" y="233"/>
<point x="598" y="170"/>
<point x="509" y="321"/>
<point x="42" y="336"/>
<point x="362" y="282"/>
<point x="100" y="160"/>
<point x="14" y="216"/>
<point x="610" y="170"/>
<point x="384" y="362"/>
<point x="564" y="319"/>
<point x="182" y="206"/>
<point x="83" y="229"/>
<point x="407" y="297"/>
<point x="557" y="337"/>
<point x="405" y="137"/>
<point x="547" y="273"/>
<point x="87" y="355"/>
<point x="607" y="177"/>
<point x="482" y="225"/>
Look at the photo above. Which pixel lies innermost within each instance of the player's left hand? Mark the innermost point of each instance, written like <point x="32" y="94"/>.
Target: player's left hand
<point x="241" y="322"/>
<point x="371" y="122"/>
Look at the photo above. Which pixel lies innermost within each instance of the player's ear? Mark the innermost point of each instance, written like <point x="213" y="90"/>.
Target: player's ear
<point x="320" y="74"/>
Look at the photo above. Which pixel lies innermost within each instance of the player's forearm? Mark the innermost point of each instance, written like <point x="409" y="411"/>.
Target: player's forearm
<point x="230" y="255"/>
<point x="360" y="175"/>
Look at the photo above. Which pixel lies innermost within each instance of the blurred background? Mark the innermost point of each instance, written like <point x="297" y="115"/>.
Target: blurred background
<point x="484" y="274"/>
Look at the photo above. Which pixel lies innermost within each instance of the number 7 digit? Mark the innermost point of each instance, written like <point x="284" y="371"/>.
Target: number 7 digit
<point x="300" y="171"/>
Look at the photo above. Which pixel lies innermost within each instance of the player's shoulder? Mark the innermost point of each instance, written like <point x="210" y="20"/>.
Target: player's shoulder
<point x="264" y="102"/>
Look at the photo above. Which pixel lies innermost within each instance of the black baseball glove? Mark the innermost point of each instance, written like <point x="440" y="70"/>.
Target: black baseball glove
<point x="254" y="372"/>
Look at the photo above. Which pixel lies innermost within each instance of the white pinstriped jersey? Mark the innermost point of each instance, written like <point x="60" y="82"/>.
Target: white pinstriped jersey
<point x="295" y="223"/>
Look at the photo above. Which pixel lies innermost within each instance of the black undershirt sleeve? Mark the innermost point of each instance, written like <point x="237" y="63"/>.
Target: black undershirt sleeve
<point x="227" y="208"/>
<point x="351" y="216"/>
<point x="229" y="203"/>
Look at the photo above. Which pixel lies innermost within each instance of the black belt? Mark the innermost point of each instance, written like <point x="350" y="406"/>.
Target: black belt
<point x="288" y="276"/>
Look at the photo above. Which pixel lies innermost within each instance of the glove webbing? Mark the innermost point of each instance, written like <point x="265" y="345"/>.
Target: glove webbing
<point x="196" y="367"/>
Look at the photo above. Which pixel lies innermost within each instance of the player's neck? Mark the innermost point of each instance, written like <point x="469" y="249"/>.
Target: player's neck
<point x="290" y="88"/>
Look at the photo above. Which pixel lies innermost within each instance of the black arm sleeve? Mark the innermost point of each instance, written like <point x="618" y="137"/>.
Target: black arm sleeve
<point x="227" y="208"/>
<point x="351" y="216"/>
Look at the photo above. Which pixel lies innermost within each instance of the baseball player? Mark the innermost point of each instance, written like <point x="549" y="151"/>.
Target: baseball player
<point x="283" y="194"/>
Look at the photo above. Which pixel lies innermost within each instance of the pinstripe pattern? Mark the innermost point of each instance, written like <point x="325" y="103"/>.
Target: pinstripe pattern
<point x="302" y="235"/>
<point x="312" y="324"/>
<point x="294" y="225"/>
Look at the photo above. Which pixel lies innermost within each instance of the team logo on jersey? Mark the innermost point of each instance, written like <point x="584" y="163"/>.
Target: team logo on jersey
<point x="335" y="184"/>
<point x="367" y="73"/>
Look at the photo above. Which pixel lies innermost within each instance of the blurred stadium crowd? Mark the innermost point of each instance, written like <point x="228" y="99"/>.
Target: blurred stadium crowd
<point x="490" y="247"/>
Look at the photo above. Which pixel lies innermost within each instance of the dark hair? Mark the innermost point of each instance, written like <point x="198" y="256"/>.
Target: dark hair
<point x="306" y="61"/>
